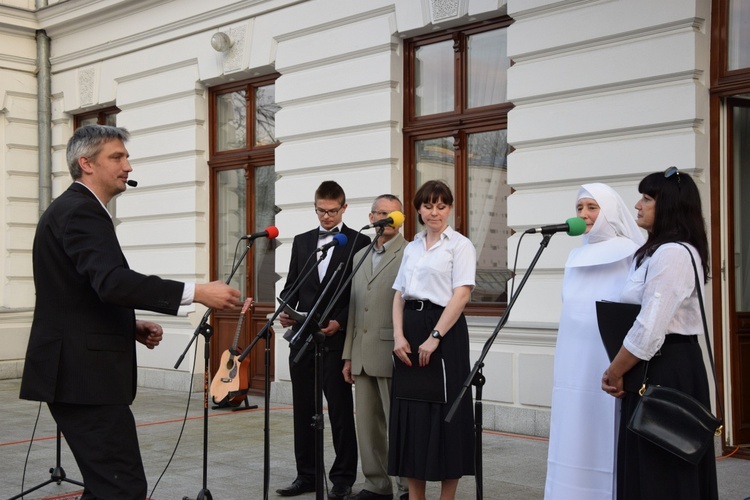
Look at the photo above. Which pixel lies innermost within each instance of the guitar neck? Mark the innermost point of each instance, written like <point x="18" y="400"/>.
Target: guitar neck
<point x="245" y="307"/>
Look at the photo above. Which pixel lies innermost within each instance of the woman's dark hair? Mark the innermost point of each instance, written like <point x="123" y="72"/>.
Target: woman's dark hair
<point x="678" y="215"/>
<point x="432" y="192"/>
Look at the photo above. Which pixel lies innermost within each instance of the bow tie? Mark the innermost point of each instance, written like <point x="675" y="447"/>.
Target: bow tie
<point x="323" y="234"/>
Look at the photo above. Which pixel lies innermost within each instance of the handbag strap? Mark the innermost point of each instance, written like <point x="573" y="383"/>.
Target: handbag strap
<point x="705" y="332"/>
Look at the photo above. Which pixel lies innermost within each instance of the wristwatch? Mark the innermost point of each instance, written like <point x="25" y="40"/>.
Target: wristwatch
<point x="436" y="335"/>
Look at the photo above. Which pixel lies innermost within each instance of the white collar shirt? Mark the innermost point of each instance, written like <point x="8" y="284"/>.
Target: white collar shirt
<point x="664" y="285"/>
<point x="433" y="274"/>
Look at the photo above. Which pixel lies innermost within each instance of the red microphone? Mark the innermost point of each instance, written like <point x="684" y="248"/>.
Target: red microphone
<point x="271" y="233"/>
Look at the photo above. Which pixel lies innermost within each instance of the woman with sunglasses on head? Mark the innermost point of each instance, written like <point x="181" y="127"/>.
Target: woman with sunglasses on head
<point x="433" y="285"/>
<point x="581" y="455"/>
<point x="665" y="332"/>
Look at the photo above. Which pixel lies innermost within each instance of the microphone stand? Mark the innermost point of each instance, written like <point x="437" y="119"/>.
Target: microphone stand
<point x="207" y="331"/>
<point x="265" y="333"/>
<point x="318" y="423"/>
<point x="318" y="420"/>
<point x="341" y="289"/>
<point x="476" y="378"/>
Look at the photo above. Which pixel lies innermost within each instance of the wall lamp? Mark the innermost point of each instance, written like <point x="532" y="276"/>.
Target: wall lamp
<point x="221" y="42"/>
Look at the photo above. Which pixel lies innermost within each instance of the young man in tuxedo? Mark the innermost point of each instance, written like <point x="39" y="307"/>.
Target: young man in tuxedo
<point x="81" y="357"/>
<point x="330" y="206"/>
<point x="368" y="351"/>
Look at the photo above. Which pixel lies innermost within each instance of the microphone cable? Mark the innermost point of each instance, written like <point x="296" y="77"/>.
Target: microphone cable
<point x="31" y="441"/>
<point x="184" y="422"/>
<point x="512" y="278"/>
<point x="190" y="392"/>
<point x="347" y="263"/>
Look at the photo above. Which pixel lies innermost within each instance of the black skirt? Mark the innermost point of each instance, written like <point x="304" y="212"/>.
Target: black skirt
<point x="646" y="471"/>
<point x="421" y="444"/>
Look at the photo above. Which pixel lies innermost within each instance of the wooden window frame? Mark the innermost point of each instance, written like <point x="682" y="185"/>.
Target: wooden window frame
<point x="457" y="123"/>
<point x="100" y="114"/>
<point x="720" y="75"/>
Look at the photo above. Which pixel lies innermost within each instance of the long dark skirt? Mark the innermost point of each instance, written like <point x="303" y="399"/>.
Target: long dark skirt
<point x="646" y="471"/>
<point x="421" y="444"/>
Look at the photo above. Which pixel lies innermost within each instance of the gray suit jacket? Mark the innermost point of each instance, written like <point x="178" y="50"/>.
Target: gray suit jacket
<point x="369" y="332"/>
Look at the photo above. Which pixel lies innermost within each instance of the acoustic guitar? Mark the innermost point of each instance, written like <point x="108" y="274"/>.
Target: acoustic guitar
<point x="230" y="381"/>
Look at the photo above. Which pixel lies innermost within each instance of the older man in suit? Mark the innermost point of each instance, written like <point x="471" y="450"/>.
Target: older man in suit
<point x="330" y="205"/>
<point x="368" y="351"/>
<point x="81" y="357"/>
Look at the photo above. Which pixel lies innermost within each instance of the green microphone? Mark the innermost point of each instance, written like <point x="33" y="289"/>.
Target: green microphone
<point x="575" y="226"/>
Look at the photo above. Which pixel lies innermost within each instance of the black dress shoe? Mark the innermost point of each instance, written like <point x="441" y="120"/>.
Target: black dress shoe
<point x="297" y="488"/>
<point x="369" y="495"/>
<point x="339" y="491"/>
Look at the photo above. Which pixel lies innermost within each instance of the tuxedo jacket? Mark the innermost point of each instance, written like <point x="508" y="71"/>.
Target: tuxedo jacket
<point x="307" y="295"/>
<point x="82" y="344"/>
<point x="369" y="332"/>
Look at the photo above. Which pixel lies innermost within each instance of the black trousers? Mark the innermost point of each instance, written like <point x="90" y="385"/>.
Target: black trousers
<point x="104" y="442"/>
<point x="338" y="395"/>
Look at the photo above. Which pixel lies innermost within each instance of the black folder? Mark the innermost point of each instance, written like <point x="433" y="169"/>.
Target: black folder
<point x="615" y="320"/>
<point x="420" y="383"/>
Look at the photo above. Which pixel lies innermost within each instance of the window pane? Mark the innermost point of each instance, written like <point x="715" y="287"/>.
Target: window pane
<point x="110" y="119"/>
<point x="231" y="205"/>
<point x="265" y="215"/>
<point x="433" y="79"/>
<point x="435" y="159"/>
<point x="265" y="115"/>
<point x="488" y="192"/>
<point x="741" y="184"/>
<point x="739" y="35"/>
<point x="488" y="65"/>
<point x="91" y="120"/>
<point x="231" y="126"/>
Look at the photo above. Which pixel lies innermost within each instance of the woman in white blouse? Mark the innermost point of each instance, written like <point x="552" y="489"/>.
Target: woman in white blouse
<point x="665" y="332"/>
<point x="433" y="285"/>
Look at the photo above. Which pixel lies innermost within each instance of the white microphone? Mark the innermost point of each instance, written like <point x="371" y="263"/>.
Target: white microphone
<point x="394" y="219"/>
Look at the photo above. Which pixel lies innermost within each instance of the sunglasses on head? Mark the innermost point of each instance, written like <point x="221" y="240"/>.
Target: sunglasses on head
<point x="672" y="171"/>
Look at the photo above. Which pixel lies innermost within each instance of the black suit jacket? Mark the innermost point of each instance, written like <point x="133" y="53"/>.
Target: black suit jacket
<point x="82" y="344"/>
<point x="304" y="299"/>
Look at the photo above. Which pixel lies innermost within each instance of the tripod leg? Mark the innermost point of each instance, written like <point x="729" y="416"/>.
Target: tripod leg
<point x="57" y="473"/>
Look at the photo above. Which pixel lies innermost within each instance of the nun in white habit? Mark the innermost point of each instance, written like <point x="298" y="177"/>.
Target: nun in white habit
<point x="582" y="445"/>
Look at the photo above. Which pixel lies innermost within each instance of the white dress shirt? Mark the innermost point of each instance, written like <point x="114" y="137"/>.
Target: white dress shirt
<point x="433" y="274"/>
<point x="664" y="285"/>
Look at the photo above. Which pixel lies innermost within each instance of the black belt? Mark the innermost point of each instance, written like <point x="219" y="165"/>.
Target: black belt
<point x="421" y="305"/>
<point x="676" y="338"/>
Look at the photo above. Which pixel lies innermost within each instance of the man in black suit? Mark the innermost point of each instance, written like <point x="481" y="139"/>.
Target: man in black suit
<point x="81" y="357"/>
<point x="330" y="205"/>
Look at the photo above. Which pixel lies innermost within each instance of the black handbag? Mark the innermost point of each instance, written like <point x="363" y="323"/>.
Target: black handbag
<point x="674" y="420"/>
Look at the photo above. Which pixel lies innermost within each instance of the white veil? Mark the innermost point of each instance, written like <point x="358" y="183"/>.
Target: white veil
<point x="614" y="235"/>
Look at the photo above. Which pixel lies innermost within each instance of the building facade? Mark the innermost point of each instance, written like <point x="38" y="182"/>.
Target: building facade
<point x="239" y="109"/>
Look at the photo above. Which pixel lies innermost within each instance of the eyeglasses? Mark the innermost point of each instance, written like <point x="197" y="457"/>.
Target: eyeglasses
<point x="380" y="213"/>
<point x="672" y="171"/>
<point x="330" y="213"/>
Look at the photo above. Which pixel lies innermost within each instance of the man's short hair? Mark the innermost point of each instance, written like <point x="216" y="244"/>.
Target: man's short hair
<point x="389" y="197"/>
<point x="330" y="190"/>
<point x="87" y="142"/>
